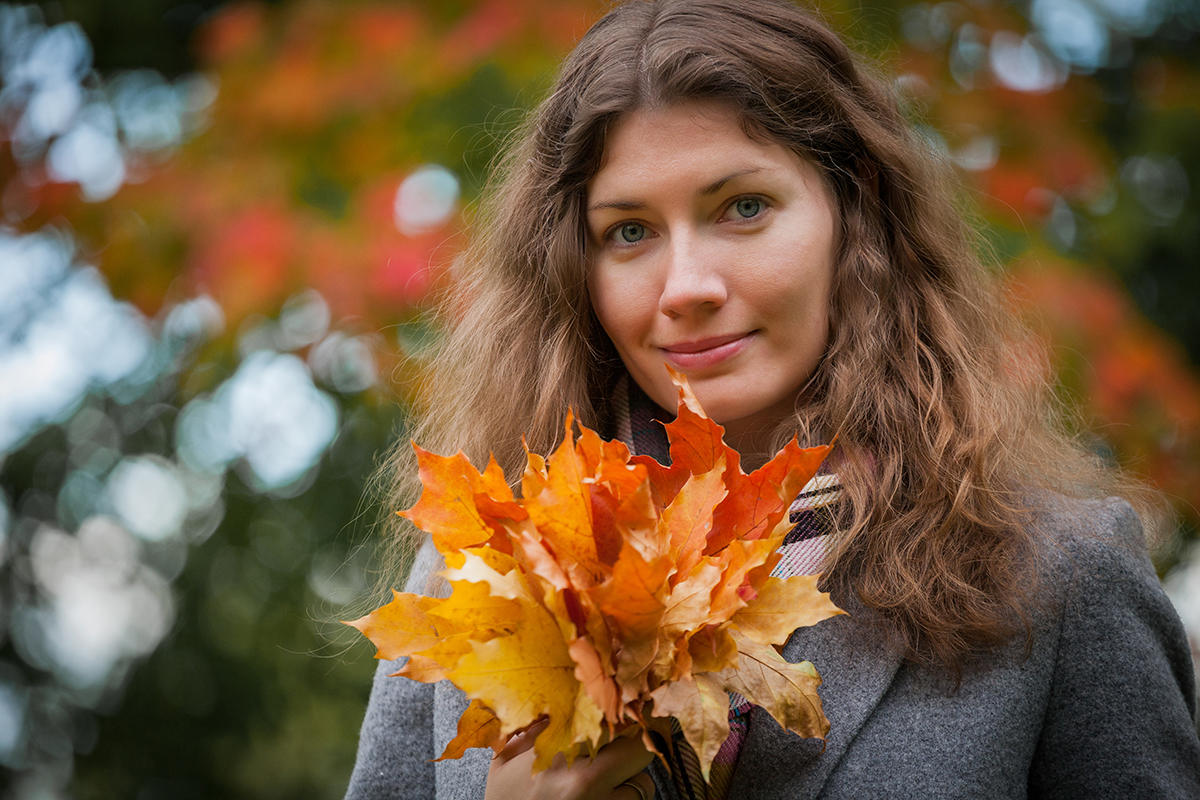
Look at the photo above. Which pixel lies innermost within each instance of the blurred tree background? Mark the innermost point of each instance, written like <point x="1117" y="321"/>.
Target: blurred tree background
<point x="220" y="224"/>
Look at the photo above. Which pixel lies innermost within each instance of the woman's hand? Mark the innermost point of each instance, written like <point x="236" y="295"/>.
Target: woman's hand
<point x="600" y="778"/>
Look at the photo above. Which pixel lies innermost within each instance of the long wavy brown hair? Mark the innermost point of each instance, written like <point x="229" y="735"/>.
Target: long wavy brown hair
<point x="946" y="424"/>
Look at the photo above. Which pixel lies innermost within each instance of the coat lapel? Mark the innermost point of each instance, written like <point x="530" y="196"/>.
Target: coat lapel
<point x="856" y="662"/>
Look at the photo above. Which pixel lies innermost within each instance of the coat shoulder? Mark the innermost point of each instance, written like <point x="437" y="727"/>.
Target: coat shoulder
<point x="1077" y="537"/>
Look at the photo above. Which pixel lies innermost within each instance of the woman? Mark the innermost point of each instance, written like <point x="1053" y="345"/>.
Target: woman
<point x="723" y="187"/>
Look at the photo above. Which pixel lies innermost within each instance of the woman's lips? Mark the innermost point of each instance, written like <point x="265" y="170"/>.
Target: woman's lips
<point x="705" y="352"/>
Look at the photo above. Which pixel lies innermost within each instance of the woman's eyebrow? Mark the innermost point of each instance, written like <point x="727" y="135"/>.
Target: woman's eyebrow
<point x="710" y="189"/>
<point x="620" y="205"/>
<point x="716" y="185"/>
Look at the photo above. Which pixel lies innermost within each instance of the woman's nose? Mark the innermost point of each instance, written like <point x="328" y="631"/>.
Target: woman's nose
<point x="694" y="278"/>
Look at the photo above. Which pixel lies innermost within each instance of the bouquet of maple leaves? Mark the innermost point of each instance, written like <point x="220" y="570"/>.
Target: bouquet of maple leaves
<point x="613" y="591"/>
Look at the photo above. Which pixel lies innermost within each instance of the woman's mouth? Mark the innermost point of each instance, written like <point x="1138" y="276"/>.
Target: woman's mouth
<point x="701" y="353"/>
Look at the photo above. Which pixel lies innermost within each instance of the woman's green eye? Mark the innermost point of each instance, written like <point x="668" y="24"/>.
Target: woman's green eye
<point x="631" y="233"/>
<point x="749" y="207"/>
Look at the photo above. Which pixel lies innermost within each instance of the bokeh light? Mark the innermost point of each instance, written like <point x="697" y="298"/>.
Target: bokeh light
<point x="426" y="199"/>
<point x="66" y="334"/>
<point x="269" y="413"/>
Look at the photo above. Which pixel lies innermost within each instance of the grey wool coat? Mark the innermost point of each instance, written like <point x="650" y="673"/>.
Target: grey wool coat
<point x="1101" y="706"/>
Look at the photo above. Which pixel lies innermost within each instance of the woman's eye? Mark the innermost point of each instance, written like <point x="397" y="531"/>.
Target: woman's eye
<point x="748" y="207"/>
<point x="630" y="233"/>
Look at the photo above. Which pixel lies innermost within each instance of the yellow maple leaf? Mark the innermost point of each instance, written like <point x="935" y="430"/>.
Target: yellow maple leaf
<point x="782" y="605"/>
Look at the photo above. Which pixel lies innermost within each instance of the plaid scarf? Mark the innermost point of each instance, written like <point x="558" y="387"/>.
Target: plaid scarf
<point x="638" y="421"/>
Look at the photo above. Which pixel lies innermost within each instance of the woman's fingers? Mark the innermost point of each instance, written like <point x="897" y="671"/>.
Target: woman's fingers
<point x="596" y="778"/>
<point x="626" y="755"/>
<point x="619" y="762"/>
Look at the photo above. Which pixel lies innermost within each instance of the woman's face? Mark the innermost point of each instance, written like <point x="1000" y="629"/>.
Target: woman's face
<point x="713" y="253"/>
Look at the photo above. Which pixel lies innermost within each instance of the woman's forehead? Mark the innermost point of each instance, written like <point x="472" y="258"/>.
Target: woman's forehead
<point x="704" y="144"/>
